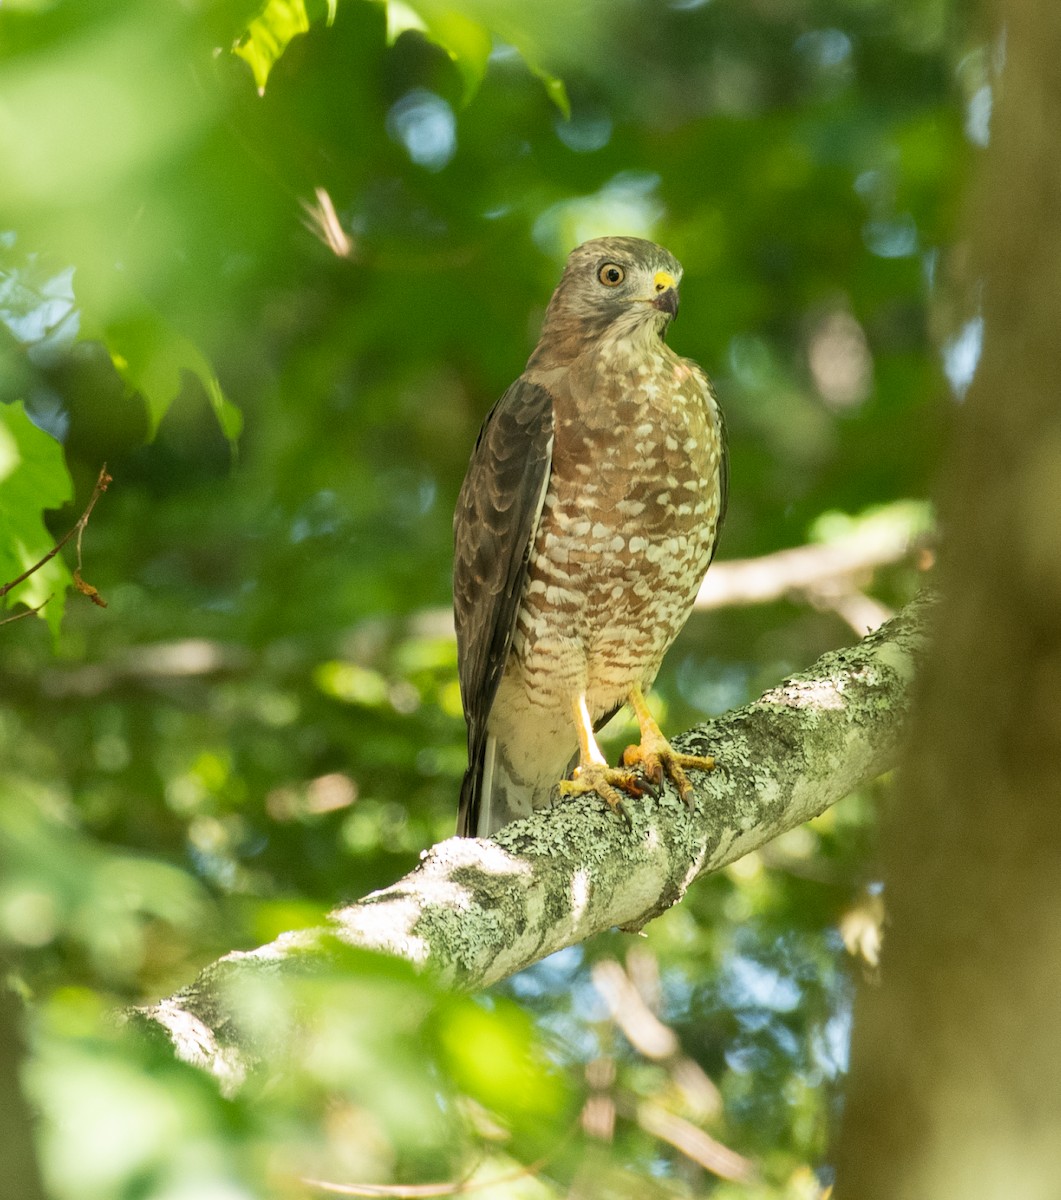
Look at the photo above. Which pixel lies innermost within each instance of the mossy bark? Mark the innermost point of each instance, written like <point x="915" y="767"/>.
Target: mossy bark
<point x="476" y="910"/>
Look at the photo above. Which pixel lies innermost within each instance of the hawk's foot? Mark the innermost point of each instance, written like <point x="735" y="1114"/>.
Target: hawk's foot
<point x="657" y="758"/>
<point x="606" y="782"/>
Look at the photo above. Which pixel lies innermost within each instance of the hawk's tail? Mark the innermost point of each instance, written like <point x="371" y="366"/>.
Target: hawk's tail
<point x="492" y="795"/>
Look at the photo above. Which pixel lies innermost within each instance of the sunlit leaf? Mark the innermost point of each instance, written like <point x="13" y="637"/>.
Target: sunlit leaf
<point x="351" y="683"/>
<point x="269" y="34"/>
<point x="555" y="89"/>
<point x="900" y="520"/>
<point x="492" y="1055"/>
<point x="466" y="42"/>
<point x="400" y="18"/>
<point x="33" y="477"/>
<point x="152" y="358"/>
<point x="465" y="32"/>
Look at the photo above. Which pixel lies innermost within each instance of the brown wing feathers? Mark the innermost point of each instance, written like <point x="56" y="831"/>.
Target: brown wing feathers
<point x="497" y="513"/>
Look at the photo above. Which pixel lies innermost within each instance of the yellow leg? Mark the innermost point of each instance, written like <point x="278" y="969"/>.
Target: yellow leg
<point x="656" y="756"/>
<point x="593" y="773"/>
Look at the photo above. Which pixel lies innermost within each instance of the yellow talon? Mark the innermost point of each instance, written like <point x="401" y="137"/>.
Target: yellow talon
<point x="605" y="781"/>
<point x="663" y="760"/>
<point x="657" y="757"/>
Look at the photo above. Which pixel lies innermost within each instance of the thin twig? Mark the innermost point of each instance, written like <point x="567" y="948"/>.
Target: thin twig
<point x="85" y="588"/>
<point x="26" y="612"/>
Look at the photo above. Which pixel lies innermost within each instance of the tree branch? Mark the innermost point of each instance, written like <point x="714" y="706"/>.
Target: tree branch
<point x="476" y="910"/>
<point x="818" y="567"/>
<point x="829" y="575"/>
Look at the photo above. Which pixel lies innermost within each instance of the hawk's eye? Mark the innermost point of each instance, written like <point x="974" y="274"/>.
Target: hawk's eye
<point x="611" y="274"/>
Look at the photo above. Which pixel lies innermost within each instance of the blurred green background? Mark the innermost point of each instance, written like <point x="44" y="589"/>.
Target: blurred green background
<point x="273" y="265"/>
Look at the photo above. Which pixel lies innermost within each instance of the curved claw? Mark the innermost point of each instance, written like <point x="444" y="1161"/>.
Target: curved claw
<point x="605" y="781"/>
<point x="658" y="759"/>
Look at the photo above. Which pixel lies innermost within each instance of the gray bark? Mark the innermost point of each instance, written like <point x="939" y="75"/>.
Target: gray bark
<point x="477" y="910"/>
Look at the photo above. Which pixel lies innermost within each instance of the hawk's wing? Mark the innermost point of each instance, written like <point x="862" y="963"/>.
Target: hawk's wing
<point x="493" y="531"/>
<point x="723" y="472"/>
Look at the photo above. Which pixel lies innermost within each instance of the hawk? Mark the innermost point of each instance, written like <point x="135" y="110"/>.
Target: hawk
<point x="589" y="514"/>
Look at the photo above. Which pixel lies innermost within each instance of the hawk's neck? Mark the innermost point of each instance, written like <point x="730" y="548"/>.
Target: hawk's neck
<point x="624" y="345"/>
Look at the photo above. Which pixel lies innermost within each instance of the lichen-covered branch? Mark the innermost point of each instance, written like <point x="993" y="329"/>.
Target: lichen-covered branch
<point x="476" y="910"/>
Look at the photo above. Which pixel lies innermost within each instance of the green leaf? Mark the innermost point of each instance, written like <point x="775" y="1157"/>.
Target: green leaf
<point x="229" y="417"/>
<point x="269" y="34"/>
<point x="469" y="41"/>
<point x="554" y="88"/>
<point x="466" y="42"/>
<point x="33" y="477"/>
<point x="494" y="1058"/>
<point x="152" y="357"/>
<point x="400" y="17"/>
<point x="898" y="521"/>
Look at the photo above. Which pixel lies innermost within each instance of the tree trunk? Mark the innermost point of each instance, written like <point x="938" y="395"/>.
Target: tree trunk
<point x="18" y="1162"/>
<point x="955" y="1089"/>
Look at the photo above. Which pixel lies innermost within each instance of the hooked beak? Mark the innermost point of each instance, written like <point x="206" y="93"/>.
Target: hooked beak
<point x="666" y="288"/>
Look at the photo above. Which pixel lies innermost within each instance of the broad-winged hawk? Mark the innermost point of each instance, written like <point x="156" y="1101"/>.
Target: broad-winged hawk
<point x="589" y="514"/>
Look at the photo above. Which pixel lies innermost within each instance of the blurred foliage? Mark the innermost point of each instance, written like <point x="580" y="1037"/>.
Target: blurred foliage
<point x="273" y="263"/>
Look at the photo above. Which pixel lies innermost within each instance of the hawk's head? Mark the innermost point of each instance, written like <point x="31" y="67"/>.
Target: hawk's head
<point x="623" y="286"/>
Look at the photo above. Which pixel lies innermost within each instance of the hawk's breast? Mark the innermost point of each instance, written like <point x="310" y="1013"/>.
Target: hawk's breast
<point x="627" y="529"/>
